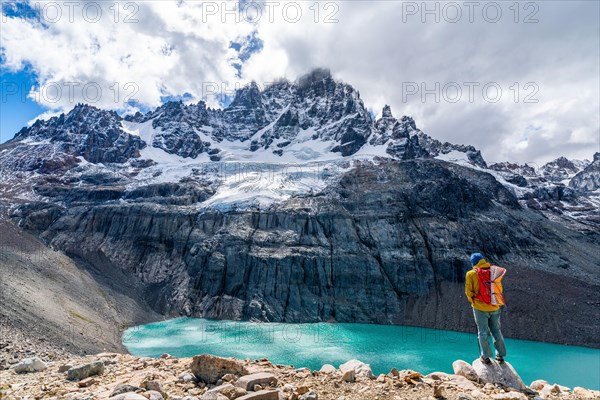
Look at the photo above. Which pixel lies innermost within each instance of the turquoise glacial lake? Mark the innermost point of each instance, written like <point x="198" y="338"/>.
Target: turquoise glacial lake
<point x="382" y="346"/>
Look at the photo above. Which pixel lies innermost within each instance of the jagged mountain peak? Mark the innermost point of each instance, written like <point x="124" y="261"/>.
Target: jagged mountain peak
<point x="514" y="168"/>
<point x="84" y="108"/>
<point x="560" y="162"/>
<point x="78" y="120"/>
<point x="85" y="131"/>
<point x="309" y="118"/>
<point x="248" y="96"/>
<point x="588" y="179"/>
<point x="314" y="77"/>
<point x="562" y="169"/>
<point x="386" y="112"/>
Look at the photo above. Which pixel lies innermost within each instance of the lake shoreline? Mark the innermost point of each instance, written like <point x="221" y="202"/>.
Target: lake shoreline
<point x="382" y="346"/>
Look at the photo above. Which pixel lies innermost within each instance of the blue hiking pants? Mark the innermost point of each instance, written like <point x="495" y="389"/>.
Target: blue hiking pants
<point x="488" y="323"/>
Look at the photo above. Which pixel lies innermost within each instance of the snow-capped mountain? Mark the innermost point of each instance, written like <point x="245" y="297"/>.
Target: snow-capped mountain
<point x="95" y="134"/>
<point x="314" y="120"/>
<point x="282" y="118"/>
<point x="588" y="178"/>
<point x="562" y="169"/>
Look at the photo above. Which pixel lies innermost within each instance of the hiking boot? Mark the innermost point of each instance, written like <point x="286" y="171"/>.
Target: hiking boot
<point x="500" y="359"/>
<point x="485" y="360"/>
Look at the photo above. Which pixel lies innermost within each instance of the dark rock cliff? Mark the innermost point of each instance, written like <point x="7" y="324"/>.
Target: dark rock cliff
<point x="388" y="243"/>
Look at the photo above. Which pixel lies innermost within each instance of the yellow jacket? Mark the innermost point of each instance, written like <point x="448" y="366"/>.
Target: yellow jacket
<point x="472" y="288"/>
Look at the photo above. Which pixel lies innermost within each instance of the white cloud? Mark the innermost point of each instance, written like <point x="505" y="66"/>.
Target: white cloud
<point x="377" y="46"/>
<point x="377" y="50"/>
<point x="168" y="51"/>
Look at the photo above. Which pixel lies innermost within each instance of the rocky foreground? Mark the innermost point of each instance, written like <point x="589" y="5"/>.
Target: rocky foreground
<point x="117" y="376"/>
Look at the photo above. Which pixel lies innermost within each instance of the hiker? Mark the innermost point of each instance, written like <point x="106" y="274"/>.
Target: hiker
<point x="484" y="291"/>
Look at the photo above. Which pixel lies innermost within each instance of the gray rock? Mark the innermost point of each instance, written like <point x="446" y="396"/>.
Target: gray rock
<point x="261" y="395"/>
<point x="359" y="367"/>
<point x="153" y="385"/>
<point x="312" y="395"/>
<point x="586" y="394"/>
<point x="496" y="373"/>
<point x="538" y="384"/>
<point x="128" y="396"/>
<point x="153" y="395"/>
<point x="461" y="382"/>
<point x="214" y="396"/>
<point x="226" y="389"/>
<point x="509" y="396"/>
<point x="86" y="382"/>
<point x="123" y="388"/>
<point x="328" y="369"/>
<point x="64" y="367"/>
<point x="465" y="369"/>
<point x="210" y="369"/>
<point x="553" y="389"/>
<point x="186" y="377"/>
<point x="33" y="364"/>
<point x="349" y="375"/>
<point x="84" y="371"/>
<point x="229" y="377"/>
<point x="247" y="382"/>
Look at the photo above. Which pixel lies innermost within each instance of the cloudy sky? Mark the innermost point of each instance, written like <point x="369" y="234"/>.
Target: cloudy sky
<point x="520" y="80"/>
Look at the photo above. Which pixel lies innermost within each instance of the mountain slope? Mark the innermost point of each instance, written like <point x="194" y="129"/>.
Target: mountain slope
<point x="58" y="300"/>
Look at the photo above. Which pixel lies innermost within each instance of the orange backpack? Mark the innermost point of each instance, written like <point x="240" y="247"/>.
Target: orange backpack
<point x="490" y="290"/>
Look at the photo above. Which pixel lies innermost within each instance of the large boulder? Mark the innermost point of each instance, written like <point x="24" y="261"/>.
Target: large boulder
<point x="359" y="367"/>
<point x="33" y="364"/>
<point x="86" y="370"/>
<point x="496" y="373"/>
<point x="210" y="369"/>
<point x="465" y="369"/>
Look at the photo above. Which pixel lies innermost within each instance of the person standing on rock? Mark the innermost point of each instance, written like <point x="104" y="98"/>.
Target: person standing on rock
<point x="483" y="288"/>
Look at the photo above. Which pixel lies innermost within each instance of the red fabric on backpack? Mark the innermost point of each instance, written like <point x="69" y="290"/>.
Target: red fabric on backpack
<point x="485" y="285"/>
